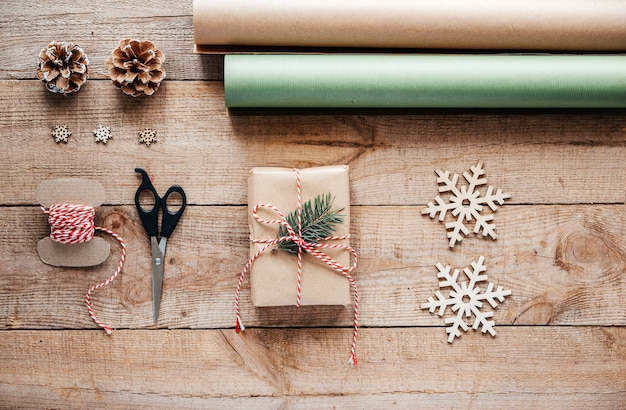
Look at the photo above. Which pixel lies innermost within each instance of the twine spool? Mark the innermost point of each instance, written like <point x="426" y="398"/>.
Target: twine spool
<point x="74" y="224"/>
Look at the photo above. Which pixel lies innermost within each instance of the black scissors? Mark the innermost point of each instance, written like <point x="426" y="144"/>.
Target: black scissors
<point x="149" y="218"/>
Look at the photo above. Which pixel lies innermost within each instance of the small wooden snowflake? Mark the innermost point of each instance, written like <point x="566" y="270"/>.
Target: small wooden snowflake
<point x="60" y="133"/>
<point x="147" y="136"/>
<point x="102" y="134"/>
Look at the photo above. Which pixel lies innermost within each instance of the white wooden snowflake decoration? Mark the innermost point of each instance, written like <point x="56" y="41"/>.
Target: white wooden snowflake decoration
<point x="60" y="133"/>
<point x="466" y="299"/>
<point x="102" y="134"/>
<point x="147" y="136"/>
<point x="466" y="203"/>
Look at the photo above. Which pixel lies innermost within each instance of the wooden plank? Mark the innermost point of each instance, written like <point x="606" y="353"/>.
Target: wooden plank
<point x="561" y="334"/>
<point x="98" y="27"/>
<point x="565" y="265"/>
<point x="523" y="367"/>
<point x="540" y="159"/>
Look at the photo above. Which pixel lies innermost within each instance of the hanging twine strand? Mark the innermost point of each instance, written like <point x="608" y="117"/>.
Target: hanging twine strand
<point x="73" y="224"/>
<point x="312" y="248"/>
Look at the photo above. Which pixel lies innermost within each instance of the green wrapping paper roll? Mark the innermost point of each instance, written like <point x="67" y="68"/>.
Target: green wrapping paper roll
<point x="412" y="81"/>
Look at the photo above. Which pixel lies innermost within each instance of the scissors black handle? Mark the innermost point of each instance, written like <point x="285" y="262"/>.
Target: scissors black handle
<point x="149" y="218"/>
<point x="170" y="219"/>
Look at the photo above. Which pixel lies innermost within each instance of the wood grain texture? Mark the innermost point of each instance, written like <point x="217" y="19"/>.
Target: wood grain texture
<point x="98" y="27"/>
<point x="566" y="265"/>
<point x="523" y="368"/>
<point x="560" y="248"/>
<point x="538" y="158"/>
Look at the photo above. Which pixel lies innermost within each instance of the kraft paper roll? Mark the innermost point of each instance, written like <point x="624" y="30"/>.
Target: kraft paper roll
<point x="409" y="81"/>
<point x="440" y="24"/>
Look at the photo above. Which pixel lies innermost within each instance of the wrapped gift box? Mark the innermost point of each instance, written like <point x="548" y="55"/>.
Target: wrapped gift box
<point x="273" y="275"/>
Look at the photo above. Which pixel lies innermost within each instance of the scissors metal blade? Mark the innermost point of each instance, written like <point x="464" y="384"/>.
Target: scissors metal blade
<point x="162" y="245"/>
<point x="157" y="276"/>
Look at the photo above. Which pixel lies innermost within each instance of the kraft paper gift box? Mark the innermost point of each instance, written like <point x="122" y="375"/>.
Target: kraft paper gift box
<point x="273" y="276"/>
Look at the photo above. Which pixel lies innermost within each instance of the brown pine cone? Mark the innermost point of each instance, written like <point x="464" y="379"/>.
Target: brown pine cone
<point x="136" y="67"/>
<point x="63" y="67"/>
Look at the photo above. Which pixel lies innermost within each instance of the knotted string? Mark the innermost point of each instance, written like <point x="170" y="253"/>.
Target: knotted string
<point x="313" y="248"/>
<point x="73" y="224"/>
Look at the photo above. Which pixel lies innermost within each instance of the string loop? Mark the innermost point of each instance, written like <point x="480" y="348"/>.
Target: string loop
<point x="313" y="248"/>
<point x="73" y="224"/>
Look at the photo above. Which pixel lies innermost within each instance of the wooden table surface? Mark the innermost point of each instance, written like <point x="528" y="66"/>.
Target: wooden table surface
<point x="561" y="340"/>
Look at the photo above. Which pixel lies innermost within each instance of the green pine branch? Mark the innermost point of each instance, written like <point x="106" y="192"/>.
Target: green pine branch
<point x="318" y="221"/>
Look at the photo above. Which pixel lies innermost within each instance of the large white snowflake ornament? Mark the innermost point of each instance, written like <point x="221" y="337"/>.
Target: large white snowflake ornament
<point x="466" y="299"/>
<point x="466" y="203"/>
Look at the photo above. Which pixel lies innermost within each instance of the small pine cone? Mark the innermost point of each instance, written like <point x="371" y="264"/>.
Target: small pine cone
<point x="136" y="67"/>
<point x="63" y="67"/>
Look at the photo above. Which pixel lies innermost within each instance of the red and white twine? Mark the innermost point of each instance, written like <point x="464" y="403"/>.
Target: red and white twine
<point x="73" y="224"/>
<point x="313" y="248"/>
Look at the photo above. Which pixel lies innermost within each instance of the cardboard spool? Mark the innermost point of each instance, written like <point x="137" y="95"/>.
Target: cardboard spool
<point x="74" y="191"/>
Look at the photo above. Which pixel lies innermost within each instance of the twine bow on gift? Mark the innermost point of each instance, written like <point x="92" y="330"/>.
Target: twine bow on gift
<point x="313" y="248"/>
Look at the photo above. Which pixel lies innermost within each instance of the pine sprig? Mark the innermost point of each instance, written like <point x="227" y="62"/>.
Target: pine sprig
<point x="318" y="221"/>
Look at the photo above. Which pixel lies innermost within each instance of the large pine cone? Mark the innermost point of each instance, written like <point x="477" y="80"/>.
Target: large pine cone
<point x="136" y="67"/>
<point x="63" y="67"/>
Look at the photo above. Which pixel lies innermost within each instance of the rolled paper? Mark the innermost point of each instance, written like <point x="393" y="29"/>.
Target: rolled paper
<point x="443" y="24"/>
<point x="410" y="81"/>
